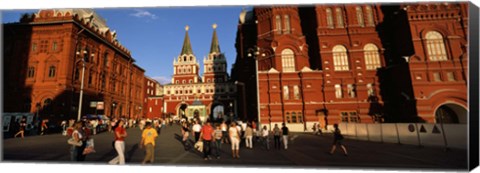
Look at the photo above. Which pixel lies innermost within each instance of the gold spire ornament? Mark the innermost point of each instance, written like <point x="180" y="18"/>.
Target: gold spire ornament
<point x="186" y="28"/>
<point x="214" y="26"/>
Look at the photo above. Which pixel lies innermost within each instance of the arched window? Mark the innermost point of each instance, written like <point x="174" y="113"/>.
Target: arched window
<point x="47" y="105"/>
<point x="340" y="58"/>
<point x="31" y="72"/>
<point x="288" y="61"/>
<point x="329" y="17"/>
<point x="360" y="16"/>
<point x="278" y="24"/>
<point x="372" y="57"/>
<point x="339" y="14"/>
<point x="51" y="71"/>
<point x="294" y="117"/>
<point x="288" y="117"/>
<point x="287" y="24"/>
<point x="369" y="16"/>
<point x="435" y="46"/>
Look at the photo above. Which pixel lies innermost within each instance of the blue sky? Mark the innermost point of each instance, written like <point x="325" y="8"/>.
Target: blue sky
<point x="155" y="35"/>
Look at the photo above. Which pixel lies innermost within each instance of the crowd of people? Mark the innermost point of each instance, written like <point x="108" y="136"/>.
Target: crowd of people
<point x="208" y="137"/>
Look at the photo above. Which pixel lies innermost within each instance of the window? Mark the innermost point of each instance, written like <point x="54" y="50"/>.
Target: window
<point x="31" y="72"/>
<point x="105" y="59"/>
<point x="329" y="17"/>
<point x="372" y="57"/>
<point x="287" y="24"/>
<point x="349" y="117"/>
<point x="285" y="93"/>
<point x="47" y="105"/>
<point x="450" y="76"/>
<point x="296" y="92"/>
<point x="150" y="109"/>
<point x="360" y="16"/>
<point x="339" y="14"/>
<point x="436" y="77"/>
<point x="369" y="16"/>
<point x="288" y="61"/>
<point x="278" y="23"/>
<point x="51" y="72"/>
<point x="184" y="81"/>
<point x="338" y="91"/>
<point x="435" y="46"/>
<point x="54" y="46"/>
<point x="351" y="90"/>
<point x="176" y="81"/>
<point x="190" y="81"/>
<point x="340" y="58"/>
<point x="294" y="117"/>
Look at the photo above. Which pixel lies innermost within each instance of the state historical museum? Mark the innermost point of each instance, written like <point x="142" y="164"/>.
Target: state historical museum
<point x="354" y="63"/>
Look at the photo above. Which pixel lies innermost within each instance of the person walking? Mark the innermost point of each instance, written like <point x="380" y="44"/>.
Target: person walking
<point x="120" y="135"/>
<point x="337" y="140"/>
<point x="224" y="128"/>
<point x="285" y="136"/>
<point x="218" y="135"/>
<point x="185" y="132"/>
<point x="78" y="134"/>
<point x="22" y="125"/>
<point x="314" y="128"/>
<point x="234" y="135"/>
<point x="276" y="136"/>
<point x="149" y="135"/>
<point x="248" y="136"/>
<point x="265" y="137"/>
<point x="43" y="127"/>
<point x="206" y="135"/>
<point x="197" y="130"/>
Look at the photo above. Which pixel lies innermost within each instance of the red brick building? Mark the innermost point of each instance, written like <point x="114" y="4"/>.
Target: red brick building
<point x="335" y="63"/>
<point x="154" y="99"/>
<point x="44" y="55"/>
<point x="191" y="96"/>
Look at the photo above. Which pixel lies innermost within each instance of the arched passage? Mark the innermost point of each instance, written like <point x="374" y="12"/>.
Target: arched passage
<point x="451" y="113"/>
<point x="182" y="110"/>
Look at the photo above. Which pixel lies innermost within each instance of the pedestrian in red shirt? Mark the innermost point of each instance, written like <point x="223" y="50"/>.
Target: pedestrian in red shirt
<point x="120" y="134"/>
<point x="206" y="136"/>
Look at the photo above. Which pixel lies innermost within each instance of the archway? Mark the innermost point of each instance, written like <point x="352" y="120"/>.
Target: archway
<point x="181" y="112"/>
<point x="451" y="113"/>
<point x="196" y="114"/>
<point x="218" y="112"/>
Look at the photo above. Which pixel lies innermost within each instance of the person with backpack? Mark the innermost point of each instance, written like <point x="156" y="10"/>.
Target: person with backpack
<point x="338" y="140"/>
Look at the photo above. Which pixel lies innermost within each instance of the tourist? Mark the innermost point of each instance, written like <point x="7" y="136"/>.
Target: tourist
<point x="338" y="140"/>
<point x="78" y="135"/>
<point x="224" y="128"/>
<point x="206" y="136"/>
<point x="120" y="134"/>
<point x="22" y="126"/>
<point x="265" y="137"/>
<point x="196" y="130"/>
<point x="234" y="135"/>
<point x="276" y="136"/>
<point x="248" y="137"/>
<point x="285" y="136"/>
<point x="149" y="135"/>
<point x="218" y="135"/>
<point x="185" y="132"/>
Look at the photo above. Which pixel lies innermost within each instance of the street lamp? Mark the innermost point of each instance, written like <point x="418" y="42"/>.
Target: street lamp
<point x="254" y="55"/>
<point x="85" y="56"/>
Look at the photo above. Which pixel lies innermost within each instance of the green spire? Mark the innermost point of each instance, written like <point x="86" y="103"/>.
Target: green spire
<point x="187" y="47"/>
<point x="215" y="47"/>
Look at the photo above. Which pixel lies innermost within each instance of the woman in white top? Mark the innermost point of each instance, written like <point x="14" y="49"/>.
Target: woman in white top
<point x="234" y="135"/>
<point x="265" y="137"/>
